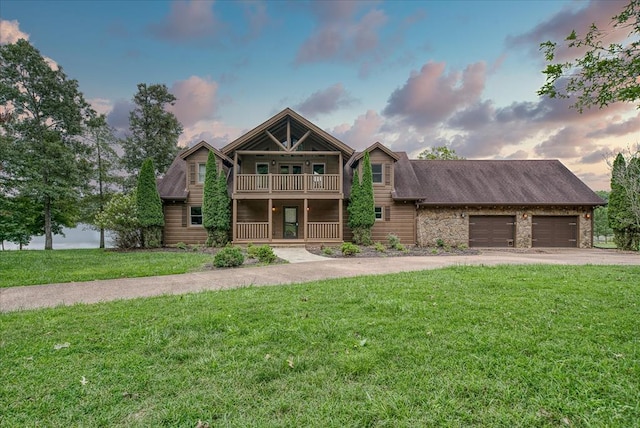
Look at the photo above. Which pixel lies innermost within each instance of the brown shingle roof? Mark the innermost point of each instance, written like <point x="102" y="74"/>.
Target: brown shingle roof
<point x="490" y="182"/>
<point x="173" y="184"/>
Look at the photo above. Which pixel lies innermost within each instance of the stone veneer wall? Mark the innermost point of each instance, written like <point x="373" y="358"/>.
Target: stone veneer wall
<point x="452" y="224"/>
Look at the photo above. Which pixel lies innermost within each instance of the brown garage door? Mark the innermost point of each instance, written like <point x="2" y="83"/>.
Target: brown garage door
<point x="491" y="231"/>
<point x="554" y="231"/>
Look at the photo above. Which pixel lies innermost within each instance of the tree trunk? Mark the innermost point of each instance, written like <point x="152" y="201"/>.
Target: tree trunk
<point x="48" y="239"/>
<point x="101" y="237"/>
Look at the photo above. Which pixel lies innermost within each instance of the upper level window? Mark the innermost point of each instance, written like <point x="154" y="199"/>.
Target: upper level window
<point x="202" y="171"/>
<point x="262" y="168"/>
<point x="195" y="216"/>
<point x="376" y="168"/>
<point x="318" y="168"/>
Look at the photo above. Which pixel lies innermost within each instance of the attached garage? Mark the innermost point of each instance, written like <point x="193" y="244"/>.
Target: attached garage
<point x="491" y="230"/>
<point x="554" y="231"/>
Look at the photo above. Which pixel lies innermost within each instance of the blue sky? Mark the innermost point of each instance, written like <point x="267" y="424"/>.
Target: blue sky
<point x="408" y="74"/>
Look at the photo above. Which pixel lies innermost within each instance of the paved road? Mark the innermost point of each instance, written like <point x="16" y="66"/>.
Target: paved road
<point x="39" y="296"/>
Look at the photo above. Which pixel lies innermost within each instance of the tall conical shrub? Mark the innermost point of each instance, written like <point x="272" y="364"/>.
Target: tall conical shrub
<point x="150" y="215"/>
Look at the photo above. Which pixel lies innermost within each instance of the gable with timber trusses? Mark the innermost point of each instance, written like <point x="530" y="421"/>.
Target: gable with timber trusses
<point x="289" y="133"/>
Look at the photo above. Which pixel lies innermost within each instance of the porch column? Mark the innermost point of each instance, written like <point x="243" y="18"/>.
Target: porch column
<point x="234" y="222"/>
<point x="270" y="211"/>
<point x="306" y="218"/>
<point x="341" y="226"/>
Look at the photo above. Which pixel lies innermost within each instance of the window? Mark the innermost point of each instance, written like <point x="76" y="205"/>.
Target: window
<point x="317" y="168"/>
<point x="262" y="182"/>
<point x="202" y="170"/>
<point x="262" y="168"/>
<point x="378" y="212"/>
<point x="195" y="216"/>
<point x="376" y="169"/>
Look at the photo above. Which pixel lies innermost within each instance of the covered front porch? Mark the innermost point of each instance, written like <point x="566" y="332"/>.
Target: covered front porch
<point x="287" y="221"/>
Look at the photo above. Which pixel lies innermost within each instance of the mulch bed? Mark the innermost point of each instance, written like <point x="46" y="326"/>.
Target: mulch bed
<point x="370" y="251"/>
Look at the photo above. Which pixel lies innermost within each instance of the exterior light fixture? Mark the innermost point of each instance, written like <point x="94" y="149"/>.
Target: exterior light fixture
<point x="525" y="215"/>
<point x="306" y="163"/>
<point x="273" y="208"/>
<point x="587" y="216"/>
<point x="273" y="162"/>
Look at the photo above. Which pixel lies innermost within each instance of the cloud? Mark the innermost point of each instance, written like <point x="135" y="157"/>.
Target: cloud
<point x="196" y="100"/>
<point x="598" y="156"/>
<point x="340" y="34"/>
<point x="255" y="14"/>
<point x="214" y="132"/>
<point x="430" y="96"/>
<point x="101" y="105"/>
<point x="617" y="129"/>
<point x="366" y="130"/>
<point x="118" y="117"/>
<point x="10" y="32"/>
<point x="325" y="101"/>
<point x="568" y="142"/>
<point x="188" y="21"/>
<point x="560" y="25"/>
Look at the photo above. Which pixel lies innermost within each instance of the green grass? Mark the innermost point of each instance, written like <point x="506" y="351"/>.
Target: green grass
<point x="48" y="267"/>
<point x="463" y="346"/>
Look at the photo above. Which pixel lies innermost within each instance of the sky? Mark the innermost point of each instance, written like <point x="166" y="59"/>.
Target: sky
<point x="409" y="74"/>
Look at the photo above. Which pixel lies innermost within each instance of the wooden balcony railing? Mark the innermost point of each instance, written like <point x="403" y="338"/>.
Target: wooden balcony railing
<point x="269" y="183"/>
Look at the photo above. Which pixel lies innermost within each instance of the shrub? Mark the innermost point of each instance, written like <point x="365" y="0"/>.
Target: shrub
<point x="228" y="257"/>
<point x="393" y="241"/>
<point x="462" y="247"/>
<point x="149" y="205"/>
<point x="120" y="216"/>
<point x="401" y="247"/>
<point x="263" y="253"/>
<point x="182" y="246"/>
<point x="440" y="243"/>
<point x="349" y="249"/>
<point x="379" y="247"/>
<point x="327" y="251"/>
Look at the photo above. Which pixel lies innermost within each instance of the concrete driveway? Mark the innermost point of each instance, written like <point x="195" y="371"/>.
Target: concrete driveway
<point x="300" y="270"/>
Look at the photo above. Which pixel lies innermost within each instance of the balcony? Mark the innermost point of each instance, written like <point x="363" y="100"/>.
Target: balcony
<point x="316" y="231"/>
<point x="288" y="183"/>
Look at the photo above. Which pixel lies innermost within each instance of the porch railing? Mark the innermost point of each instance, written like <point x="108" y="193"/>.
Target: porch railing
<point x="252" y="230"/>
<point x="323" y="230"/>
<point x="270" y="183"/>
<point x="255" y="231"/>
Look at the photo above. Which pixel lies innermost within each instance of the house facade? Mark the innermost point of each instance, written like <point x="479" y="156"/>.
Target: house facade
<point x="290" y="181"/>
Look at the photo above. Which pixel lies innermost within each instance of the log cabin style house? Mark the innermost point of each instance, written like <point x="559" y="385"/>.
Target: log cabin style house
<point x="289" y="183"/>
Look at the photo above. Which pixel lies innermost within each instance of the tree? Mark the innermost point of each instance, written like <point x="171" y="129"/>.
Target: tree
<point x="362" y="206"/>
<point x="104" y="174"/>
<point x="440" y="152"/>
<point x="624" y="203"/>
<point x="601" y="218"/>
<point x="604" y="74"/>
<point x="216" y="212"/>
<point x="120" y="215"/>
<point x="149" y="207"/>
<point x="154" y="130"/>
<point x="46" y="161"/>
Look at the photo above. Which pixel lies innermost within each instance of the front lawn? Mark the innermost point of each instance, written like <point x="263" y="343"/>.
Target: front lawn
<point x="33" y="267"/>
<point x="462" y="346"/>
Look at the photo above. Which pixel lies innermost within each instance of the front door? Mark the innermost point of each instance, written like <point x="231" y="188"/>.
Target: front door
<point x="291" y="222"/>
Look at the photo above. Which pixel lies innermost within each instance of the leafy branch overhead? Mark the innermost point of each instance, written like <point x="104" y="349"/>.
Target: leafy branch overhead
<point x="605" y="73"/>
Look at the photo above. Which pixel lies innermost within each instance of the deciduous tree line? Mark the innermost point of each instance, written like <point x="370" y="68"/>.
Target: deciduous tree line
<point x="59" y="159"/>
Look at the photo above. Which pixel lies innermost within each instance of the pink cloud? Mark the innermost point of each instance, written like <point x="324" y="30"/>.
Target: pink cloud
<point x="560" y="25"/>
<point x="10" y="32"/>
<point x="568" y="142"/>
<point x="196" y="100"/>
<point x="617" y="129"/>
<point x="187" y="20"/>
<point x="364" y="131"/>
<point x="430" y="96"/>
<point x="325" y="101"/>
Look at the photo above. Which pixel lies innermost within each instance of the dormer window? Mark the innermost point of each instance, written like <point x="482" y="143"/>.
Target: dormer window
<point x="202" y="171"/>
<point x="376" y="169"/>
